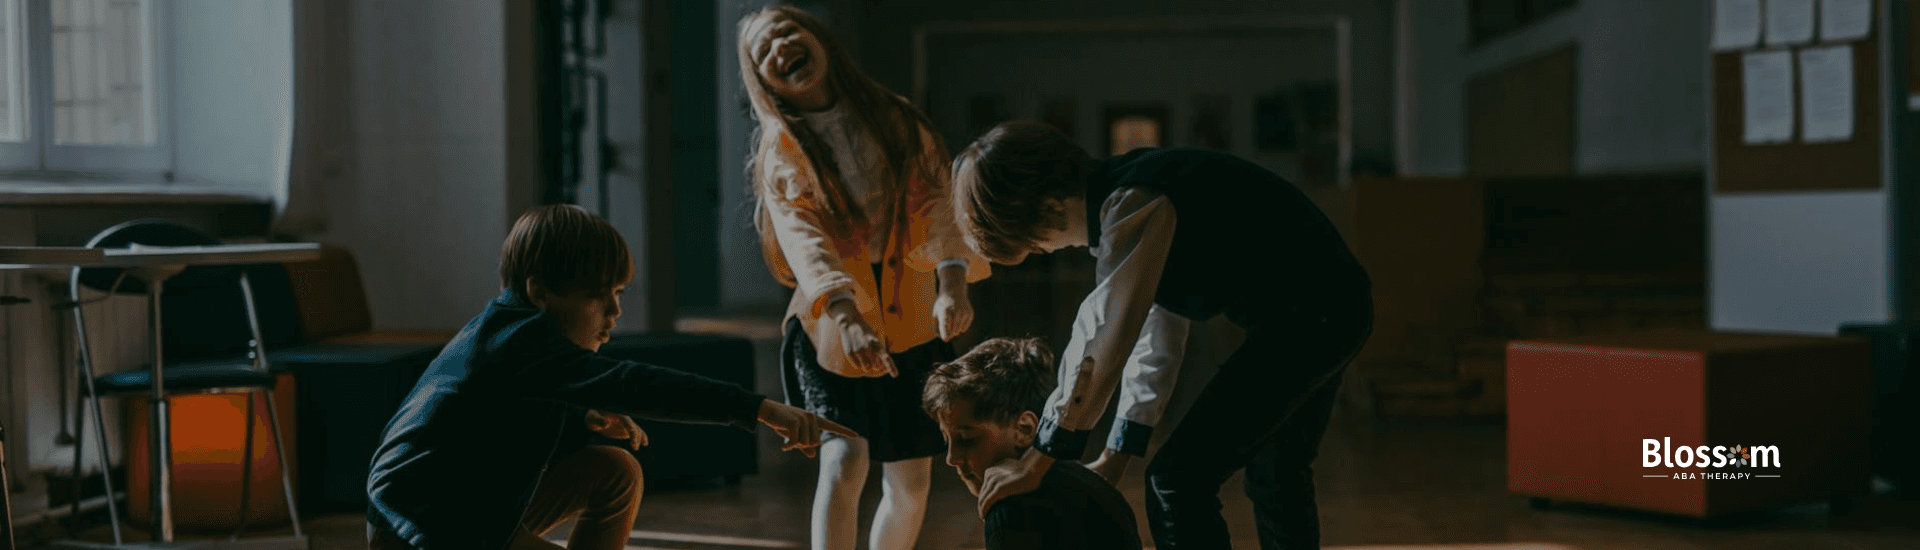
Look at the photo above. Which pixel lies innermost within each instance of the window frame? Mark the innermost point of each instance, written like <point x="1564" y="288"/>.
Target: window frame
<point x="39" y="158"/>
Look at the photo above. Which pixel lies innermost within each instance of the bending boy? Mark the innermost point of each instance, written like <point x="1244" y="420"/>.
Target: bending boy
<point x="1198" y="234"/>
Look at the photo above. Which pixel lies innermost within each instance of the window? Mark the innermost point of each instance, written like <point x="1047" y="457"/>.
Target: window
<point x="1491" y="19"/>
<point x="82" y="90"/>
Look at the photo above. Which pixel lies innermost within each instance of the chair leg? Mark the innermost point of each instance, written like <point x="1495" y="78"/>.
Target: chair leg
<point x="246" y="470"/>
<point x="79" y="454"/>
<point x="99" y="419"/>
<point x="286" y="474"/>
<point x="106" y="466"/>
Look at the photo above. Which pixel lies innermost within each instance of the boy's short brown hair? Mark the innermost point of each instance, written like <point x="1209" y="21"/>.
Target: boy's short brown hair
<point x="1000" y="183"/>
<point x="1003" y="377"/>
<point x="567" y="248"/>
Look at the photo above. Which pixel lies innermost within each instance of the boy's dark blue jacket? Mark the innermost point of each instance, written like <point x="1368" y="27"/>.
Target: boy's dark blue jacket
<point x="459" y="462"/>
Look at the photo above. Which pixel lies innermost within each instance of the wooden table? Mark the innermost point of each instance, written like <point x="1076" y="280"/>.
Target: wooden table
<point x="155" y="265"/>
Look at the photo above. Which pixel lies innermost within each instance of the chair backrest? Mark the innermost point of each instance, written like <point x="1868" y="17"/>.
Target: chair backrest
<point x="203" y="309"/>
<point x="329" y="295"/>
<point x="150" y="232"/>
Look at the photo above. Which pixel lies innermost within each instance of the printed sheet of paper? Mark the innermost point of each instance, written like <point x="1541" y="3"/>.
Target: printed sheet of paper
<point x="1736" y="24"/>
<point x="1826" y="94"/>
<point x="1767" y="82"/>
<point x="1789" y="21"/>
<point x="1842" y="20"/>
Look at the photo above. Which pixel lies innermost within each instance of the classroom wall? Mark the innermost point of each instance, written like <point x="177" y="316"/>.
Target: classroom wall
<point x="744" y="280"/>
<point x="1169" y="68"/>
<point x="233" y="93"/>
<point x="1905" y="144"/>
<point x="1778" y="261"/>
<point x="886" y="35"/>
<point x="1801" y="262"/>
<point x="1640" y="81"/>
<point x="424" y="205"/>
<point x="696" y="155"/>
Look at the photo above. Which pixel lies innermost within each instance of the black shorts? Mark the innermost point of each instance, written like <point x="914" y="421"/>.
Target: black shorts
<point x="883" y="410"/>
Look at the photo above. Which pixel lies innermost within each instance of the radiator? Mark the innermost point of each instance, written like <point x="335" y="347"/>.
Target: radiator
<point x="37" y="382"/>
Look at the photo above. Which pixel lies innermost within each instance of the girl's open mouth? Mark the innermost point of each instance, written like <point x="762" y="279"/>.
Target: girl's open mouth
<point x="798" y="62"/>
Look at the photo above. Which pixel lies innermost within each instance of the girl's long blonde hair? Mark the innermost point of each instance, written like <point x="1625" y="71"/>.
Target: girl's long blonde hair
<point x="892" y="122"/>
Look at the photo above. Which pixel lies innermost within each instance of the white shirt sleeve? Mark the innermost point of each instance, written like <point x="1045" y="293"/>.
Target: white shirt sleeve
<point x="1147" y="383"/>
<point x="1136" y="234"/>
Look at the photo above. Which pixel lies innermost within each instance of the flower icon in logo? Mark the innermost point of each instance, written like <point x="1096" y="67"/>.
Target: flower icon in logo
<point x="1741" y="456"/>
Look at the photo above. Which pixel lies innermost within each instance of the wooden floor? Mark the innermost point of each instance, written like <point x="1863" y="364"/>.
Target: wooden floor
<point x="1381" y="486"/>
<point x="1394" y="486"/>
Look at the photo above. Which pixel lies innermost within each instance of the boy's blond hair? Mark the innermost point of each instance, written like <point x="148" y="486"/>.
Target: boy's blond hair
<point x="1001" y="183"/>
<point x="567" y="248"/>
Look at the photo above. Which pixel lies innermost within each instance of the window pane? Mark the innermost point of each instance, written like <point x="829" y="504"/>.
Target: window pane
<point x="13" y="66"/>
<point x="101" y="83"/>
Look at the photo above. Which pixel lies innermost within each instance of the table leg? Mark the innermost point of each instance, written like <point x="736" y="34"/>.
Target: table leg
<point x="162" y="448"/>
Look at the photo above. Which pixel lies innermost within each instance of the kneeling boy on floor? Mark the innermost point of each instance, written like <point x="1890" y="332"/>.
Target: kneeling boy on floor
<point x="476" y="457"/>
<point x="988" y="403"/>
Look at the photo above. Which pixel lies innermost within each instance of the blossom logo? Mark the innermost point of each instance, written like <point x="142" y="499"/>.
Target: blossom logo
<point x="1661" y="453"/>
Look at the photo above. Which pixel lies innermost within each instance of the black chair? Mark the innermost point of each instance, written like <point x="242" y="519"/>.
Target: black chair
<point x="212" y="341"/>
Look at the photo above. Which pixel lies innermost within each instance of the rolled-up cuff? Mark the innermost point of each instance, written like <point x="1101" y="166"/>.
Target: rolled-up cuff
<point x="1061" y="443"/>
<point x="1130" y="437"/>
<point x="838" y="296"/>
<point x="961" y="262"/>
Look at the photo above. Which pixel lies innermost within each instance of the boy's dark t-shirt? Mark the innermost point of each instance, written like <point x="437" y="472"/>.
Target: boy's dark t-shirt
<point x="1073" y="508"/>
<point x="1250" y="245"/>
<point x="458" y="463"/>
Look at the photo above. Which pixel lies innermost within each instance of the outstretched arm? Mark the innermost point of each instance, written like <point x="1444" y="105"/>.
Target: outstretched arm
<point x="802" y="429"/>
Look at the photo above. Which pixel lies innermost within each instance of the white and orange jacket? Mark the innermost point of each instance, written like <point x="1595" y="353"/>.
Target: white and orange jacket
<point x="919" y="238"/>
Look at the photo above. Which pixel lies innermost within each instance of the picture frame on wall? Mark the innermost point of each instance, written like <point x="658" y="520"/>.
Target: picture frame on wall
<point x="1132" y="126"/>
<point x="1210" y="128"/>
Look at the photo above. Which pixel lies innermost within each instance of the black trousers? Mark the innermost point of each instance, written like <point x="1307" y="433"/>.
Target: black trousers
<point x="1265" y="411"/>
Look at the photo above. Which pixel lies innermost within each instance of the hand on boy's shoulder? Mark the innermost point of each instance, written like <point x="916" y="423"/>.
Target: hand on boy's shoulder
<point x="1013" y="476"/>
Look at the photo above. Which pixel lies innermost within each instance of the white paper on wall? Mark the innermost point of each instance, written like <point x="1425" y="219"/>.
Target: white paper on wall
<point x="1789" y="21"/>
<point x="1767" y="83"/>
<point x="1736" y="24"/>
<point x="1826" y="94"/>
<point x="1842" y="20"/>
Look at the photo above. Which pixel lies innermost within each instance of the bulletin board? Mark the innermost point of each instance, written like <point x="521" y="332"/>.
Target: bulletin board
<point x="1796" y="166"/>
